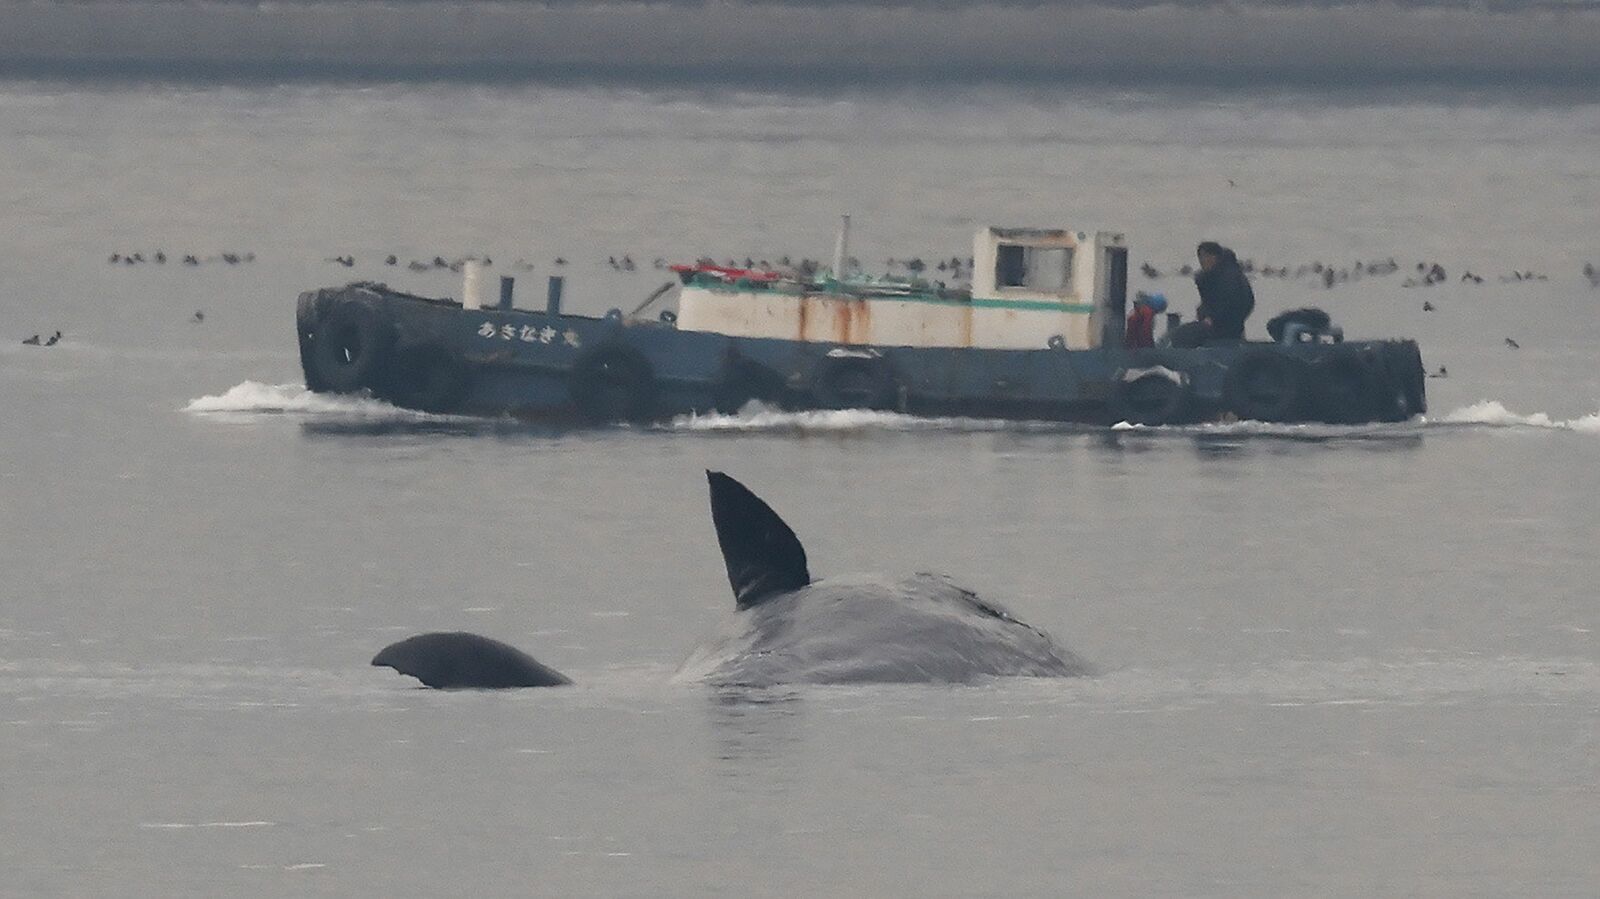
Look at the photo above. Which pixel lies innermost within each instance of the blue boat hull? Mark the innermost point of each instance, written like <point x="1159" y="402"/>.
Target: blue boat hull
<point x="435" y="356"/>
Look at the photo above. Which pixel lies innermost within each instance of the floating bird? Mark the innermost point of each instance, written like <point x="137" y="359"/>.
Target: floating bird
<point x="391" y="259"/>
<point x="1590" y="273"/>
<point x="1441" y="373"/>
<point x="1427" y="306"/>
<point x="1149" y="270"/>
<point x="54" y="339"/>
<point x="560" y="260"/>
<point x="31" y="341"/>
<point x="416" y="266"/>
<point x="161" y="258"/>
<point x="198" y="317"/>
<point x="115" y="258"/>
<point x="1513" y="344"/>
<point x="190" y="260"/>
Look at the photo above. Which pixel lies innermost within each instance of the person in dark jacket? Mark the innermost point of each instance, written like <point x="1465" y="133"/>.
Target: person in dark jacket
<point x="1226" y="299"/>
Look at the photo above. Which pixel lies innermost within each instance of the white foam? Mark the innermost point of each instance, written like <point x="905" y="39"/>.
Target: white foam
<point x="1494" y="413"/>
<point x="256" y="398"/>
<point x="1310" y="430"/>
<point x="756" y="417"/>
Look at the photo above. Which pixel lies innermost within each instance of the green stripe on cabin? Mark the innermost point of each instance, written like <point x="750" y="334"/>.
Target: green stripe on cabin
<point x="1084" y="308"/>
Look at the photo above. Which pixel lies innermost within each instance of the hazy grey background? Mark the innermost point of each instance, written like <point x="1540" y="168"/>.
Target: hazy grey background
<point x="1321" y="43"/>
<point x="1333" y="661"/>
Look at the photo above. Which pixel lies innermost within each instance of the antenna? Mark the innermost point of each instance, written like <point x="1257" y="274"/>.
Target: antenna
<point x="841" y="248"/>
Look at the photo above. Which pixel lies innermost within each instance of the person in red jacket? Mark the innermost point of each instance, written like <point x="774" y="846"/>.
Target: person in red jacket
<point x="1141" y="329"/>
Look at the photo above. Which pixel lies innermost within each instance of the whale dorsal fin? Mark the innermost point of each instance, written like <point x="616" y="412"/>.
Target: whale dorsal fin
<point x="763" y="555"/>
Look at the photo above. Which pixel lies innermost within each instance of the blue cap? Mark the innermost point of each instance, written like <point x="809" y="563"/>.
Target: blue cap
<point x="1155" y="301"/>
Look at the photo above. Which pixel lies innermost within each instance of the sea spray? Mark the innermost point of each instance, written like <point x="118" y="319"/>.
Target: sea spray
<point x="1494" y="413"/>
<point x="254" y="397"/>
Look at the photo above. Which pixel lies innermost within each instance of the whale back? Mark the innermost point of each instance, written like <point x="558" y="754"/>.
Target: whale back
<point x="923" y="629"/>
<point x="763" y="556"/>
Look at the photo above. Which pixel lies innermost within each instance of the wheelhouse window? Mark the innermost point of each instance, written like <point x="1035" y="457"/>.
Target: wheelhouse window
<point x="1044" y="269"/>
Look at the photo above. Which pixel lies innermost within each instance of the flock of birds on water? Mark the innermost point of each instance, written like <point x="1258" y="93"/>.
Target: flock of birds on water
<point x="1424" y="274"/>
<point x="159" y="257"/>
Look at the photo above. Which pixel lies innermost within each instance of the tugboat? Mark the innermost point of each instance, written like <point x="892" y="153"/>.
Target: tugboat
<point x="1038" y="334"/>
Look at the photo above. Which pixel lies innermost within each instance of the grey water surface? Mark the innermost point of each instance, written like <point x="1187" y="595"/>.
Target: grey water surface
<point x="1328" y="660"/>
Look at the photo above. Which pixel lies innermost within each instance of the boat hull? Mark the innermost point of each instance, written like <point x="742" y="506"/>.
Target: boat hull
<point x="436" y="356"/>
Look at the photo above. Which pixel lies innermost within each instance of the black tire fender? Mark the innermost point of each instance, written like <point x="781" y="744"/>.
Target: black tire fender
<point x="1151" y="396"/>
<point x="311" y="308"/>
<point x="428" y="377"/>
<point x="350" y="349"/>
<point x="741" y="380"/>
<point x="613" y="382"/>
<point x="1265" y="386"/>
<point x="1345" y="386"/>
<point x="1405" y="366"/>
<point x="856" y="382"/>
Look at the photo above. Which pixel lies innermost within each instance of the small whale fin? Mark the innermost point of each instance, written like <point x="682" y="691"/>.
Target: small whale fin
<point x="763" y="555"/>
<point x="459" y="660"/>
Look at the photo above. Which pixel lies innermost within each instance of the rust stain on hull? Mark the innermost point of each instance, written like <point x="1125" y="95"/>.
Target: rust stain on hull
<point x="852" y="321"/>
